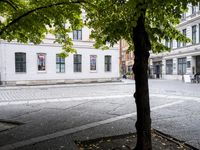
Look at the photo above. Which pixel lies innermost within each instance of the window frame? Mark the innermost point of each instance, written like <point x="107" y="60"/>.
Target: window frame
<point x="199" y="31"/>
<point x="198" y="6"/>
<point x="60" y="63"/>
<point x="77" y="34"/>
<point x="178" y="44"/>
<point x="183" y="16"/>
<point x="166" y="43"/>
<point x="184" y="31"/>
<point x="194" y="32"/>
<point x="45" y="66"/>
<point x="77" y="62"/>
<point x="193" y="9"/>
<point x="92" y="58"/>
<point x="171" y="44"/>
<point x="182" y="66"/>
<point x="108" y="64"/>
<point x="169" y="66"/>
<point x="20" y="63"/>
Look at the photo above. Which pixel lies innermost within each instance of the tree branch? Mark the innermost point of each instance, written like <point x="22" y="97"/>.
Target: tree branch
<point x="39" y="8"/>
<point x="10" y="3"/>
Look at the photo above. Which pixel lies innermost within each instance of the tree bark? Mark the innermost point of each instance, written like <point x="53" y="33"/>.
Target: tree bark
<point x="142" y="46"/>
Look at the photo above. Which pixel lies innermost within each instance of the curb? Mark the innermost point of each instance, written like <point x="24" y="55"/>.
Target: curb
<point x="173" y="139"/>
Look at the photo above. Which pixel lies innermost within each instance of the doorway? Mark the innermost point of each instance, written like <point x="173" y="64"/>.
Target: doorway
<point x="157" y="69"/>
<point x="197" y="64"/>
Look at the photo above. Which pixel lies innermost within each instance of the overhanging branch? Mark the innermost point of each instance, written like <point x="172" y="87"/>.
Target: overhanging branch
<point x="10" y="3"/>
<point x="39" y="8"/>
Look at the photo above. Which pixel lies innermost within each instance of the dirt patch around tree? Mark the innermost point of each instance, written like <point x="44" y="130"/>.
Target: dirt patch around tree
<point x="127" y="142"/>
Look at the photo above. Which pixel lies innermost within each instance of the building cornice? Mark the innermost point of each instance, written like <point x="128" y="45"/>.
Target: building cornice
<point x="77" y="44"/>
<point x="193" y="17"/>
<point x="171" y="54"/>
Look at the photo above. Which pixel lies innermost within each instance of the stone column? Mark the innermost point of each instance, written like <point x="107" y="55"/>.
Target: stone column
<point x="189" y="65"/>
<point x="175" y="65"/>
<point x="163" y="68"/>
<point x="193" y="64"/>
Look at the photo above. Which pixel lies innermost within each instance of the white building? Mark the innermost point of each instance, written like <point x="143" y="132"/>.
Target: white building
<point x="184" y="58"/>
<point x="28" y="64"/>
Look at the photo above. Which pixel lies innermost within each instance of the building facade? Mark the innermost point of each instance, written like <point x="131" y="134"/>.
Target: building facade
<point x="127" y="58"/>
<point x="28" y="64"/>
<point x="184" y="58"/>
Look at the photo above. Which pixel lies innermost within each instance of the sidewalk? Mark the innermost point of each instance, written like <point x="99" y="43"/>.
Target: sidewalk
<point x="59" y="85"/>
<point x="52" y="119"/>
<point x="97" y="138"/>
<point x="64" y="127"/>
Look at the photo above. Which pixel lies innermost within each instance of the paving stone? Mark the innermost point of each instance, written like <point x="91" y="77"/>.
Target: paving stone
<point x="180" y="120"/>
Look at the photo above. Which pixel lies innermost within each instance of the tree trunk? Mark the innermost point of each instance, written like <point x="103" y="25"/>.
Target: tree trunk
<point x="142" y="46"/>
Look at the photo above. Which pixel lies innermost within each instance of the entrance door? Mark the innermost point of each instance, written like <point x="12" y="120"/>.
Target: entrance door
<point x="197" y="64"/>
<point x="157" y="67"/>
<point x="157" y="71"/>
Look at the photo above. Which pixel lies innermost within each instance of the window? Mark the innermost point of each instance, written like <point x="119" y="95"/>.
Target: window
<point x="107" y="63"/>
<point x="188" y="64"/>
<point x="183" y="16"/>
<point x="77" y="63"/>
<point x="130" y="68"/>
<point x="181" y="66"/>
<point x="199" y="5"/>
<point x="193" y="9"/>
<point x="184" y="33"/>
<point x="20" y="62"/>
<point x="41" y="61"/>
<point x="77" y="34"/>
<point x="169" y="66"/>
<point x="166" y="43"/>
<point x="197" y="64"/>
<point x="60" y="64"/>
<point x="178" y="44"/>
<point x="199" y="33"/>
<point x="194" y="34"/>
<point x="171" y="44"/>
<point x="93" y="62"/>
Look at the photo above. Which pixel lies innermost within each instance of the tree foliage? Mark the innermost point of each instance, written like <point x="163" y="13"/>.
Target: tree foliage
<point x="111" y="20"/>
<point x="115" y="19"/>
<point x="31" y="20"/>
<point x="144" y="24"/>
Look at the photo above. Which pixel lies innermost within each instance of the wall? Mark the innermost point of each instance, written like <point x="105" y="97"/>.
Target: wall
<point x="1" y="62"/>
<point x="84" y="48"/>
<point x="172" y="77"/>
<point x="190" y="51"/>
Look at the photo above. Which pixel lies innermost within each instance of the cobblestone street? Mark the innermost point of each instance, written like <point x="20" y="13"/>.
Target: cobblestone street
<point x="65" y="113"/>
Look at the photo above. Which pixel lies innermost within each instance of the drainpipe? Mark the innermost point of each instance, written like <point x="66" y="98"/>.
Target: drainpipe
<point x="120" y="56"/>
<point x="1" y="66"/>
<point x="3" y="63"/>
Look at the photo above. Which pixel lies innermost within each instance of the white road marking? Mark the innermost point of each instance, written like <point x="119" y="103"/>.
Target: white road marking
<point x="63" y="100"/>
<point x="76" y="129"/>
<point x="197" y="99"/>
<point x="65" y="85"/>
<point x="167" y="105"/>
<point x="93" y="98"/>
